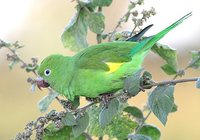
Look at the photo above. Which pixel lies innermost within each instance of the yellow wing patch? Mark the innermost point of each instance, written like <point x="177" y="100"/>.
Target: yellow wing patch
<point x="113" y="66"/>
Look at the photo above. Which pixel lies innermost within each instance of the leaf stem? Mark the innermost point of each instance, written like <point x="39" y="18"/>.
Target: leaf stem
<point x="99" y="38"/>
<point x="142" y="123"/>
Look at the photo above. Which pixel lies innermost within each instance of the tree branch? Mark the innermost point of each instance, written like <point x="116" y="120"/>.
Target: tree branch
<point x="171" y="82"/>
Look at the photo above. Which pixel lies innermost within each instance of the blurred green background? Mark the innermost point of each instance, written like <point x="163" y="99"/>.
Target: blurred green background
<point x="38" y="25"/>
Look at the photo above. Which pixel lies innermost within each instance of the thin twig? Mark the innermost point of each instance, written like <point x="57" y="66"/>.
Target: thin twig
<point x="19" y="59"/>
<point x="132" y="32"/>
<point x="87" y="136"/>
<point x="188" y="66"/>
<point x="171" y="82"/>
<point x="3" y="44"/>
<point x="83" y="108"/>
<point x="118" y="25"/>
<point x="142" y="123"/>
<point x="99" y="38"/>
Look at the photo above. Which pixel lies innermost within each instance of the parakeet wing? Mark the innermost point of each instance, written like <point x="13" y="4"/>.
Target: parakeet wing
<point x="96" y="56"/>
<point x="115" y="52"/>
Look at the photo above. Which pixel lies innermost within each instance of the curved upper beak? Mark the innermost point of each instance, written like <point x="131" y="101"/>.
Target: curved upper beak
<point x="41" y="83"/>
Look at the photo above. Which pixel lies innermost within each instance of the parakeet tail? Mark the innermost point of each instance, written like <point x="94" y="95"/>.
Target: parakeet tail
<point x="147" y="43"/>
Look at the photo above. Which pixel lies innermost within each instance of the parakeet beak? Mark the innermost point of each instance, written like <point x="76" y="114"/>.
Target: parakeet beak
<point x="41" y="83"/>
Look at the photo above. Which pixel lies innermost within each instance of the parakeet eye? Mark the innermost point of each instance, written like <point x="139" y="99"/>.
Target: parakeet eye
<point x="47" y="72"/>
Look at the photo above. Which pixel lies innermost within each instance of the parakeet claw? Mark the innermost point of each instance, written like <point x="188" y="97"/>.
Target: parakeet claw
<point x="105" y="99"/>
<point x="67" y="104"/>
<point x="41" y="83"/>
<point x="96" y="100"/>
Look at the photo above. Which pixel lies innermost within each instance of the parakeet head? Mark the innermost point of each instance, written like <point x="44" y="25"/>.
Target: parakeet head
<point x="51" y="71"/>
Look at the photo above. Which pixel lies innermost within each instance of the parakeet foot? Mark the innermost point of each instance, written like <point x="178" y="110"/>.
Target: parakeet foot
<point x="67" y="104"/>
<point x="106" y="99"/>
<point x="95" y="100"/>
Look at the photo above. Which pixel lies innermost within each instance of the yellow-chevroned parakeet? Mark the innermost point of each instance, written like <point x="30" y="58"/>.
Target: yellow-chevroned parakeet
<point x="98" y="69"/>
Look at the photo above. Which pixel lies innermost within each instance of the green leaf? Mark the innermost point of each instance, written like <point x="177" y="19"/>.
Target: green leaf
<point x="104" y="35"/>
<point x="168" y="69"/>
<point x="198" y="83"/>
<point x="96" y="22"/>
<point x="74" y="36"/>
<point x="161" y="101"/>
<point x="53" y="133"/>
<point x="138" y="137"/>
<point x="150" y="131"/>
<point x="134" y="111"/>
<point x="69" y="119"/>
<point x="120" y="127"/>
<point x="195" y="61"/>
<point x="101" y="3"/>
<point x="169" y="55"/>
<point x="174" y="108"/>
<point x="127" y="125"/>
<point x="132" y="83"/>
<point x="82" y="124"/>
<point x="108" y="113"/>
<point x="147" y="75"/>
<point x="94" y="126"/>
<point x="44" y="103"/>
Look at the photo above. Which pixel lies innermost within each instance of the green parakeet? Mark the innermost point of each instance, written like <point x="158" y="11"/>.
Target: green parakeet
<point x="98" y="69"/>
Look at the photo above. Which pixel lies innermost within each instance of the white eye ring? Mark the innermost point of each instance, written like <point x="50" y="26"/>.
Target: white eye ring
<point x="47" y="72"/>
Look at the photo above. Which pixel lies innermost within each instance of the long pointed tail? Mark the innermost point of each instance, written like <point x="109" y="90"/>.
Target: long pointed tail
<point x="147" y="43"/>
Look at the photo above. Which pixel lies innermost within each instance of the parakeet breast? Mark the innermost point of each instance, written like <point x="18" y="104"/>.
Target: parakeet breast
<point x="91" y="83"/>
